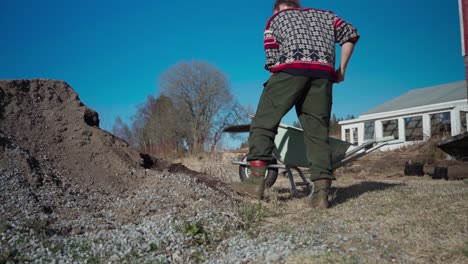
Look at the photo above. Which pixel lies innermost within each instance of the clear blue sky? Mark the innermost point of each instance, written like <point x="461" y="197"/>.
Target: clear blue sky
<point x="113" y="52"/>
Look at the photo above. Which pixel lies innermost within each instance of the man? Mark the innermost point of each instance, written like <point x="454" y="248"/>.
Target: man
<point x="300" y="54"/>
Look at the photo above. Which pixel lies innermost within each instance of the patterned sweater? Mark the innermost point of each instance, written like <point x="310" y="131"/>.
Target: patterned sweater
<point x="302" y="41"/>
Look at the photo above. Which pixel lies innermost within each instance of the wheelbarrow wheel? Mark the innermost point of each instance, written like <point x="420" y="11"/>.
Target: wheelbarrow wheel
<point x="270" y="175"/>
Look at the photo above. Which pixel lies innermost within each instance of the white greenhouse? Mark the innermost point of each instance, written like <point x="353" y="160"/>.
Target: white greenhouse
<point x="414" y="116"/>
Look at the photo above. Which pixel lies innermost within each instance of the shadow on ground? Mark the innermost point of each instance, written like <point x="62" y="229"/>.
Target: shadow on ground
<point x="341" y="194"/>
<point x="301" y="192"/>
<point x="350" y="192"/>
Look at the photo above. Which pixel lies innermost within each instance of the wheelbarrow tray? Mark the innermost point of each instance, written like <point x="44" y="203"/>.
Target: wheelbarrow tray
<point x="291" y="150"/>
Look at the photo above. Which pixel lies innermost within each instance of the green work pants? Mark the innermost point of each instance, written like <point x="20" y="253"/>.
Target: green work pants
<point x="313" y="100"/>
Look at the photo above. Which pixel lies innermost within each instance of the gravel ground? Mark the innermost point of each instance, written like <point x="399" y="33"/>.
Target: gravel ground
<point x="210" y="228"/>
<point x="176" y="218"/>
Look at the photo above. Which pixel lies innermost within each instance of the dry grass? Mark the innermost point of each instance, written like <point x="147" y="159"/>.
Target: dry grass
<point x="377" y="216"/>
<point x="216" y="165"/>
<point x="375" y="221"/>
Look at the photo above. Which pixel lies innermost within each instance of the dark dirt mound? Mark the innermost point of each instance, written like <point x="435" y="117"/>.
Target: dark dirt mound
<point x="47" y="118"/>
<point x="387" y="164"/>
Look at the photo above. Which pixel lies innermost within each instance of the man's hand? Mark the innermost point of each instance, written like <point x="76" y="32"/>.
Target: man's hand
<point x="346" y="52"/>
<point x="340" y="75"/>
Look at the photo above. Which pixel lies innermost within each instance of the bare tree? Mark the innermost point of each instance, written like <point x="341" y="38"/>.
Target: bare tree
<point x="161" y="133"/>
<point x="154" y="128"/>
<point x="123" y="131"/>
<point x="235" y="114"/>
<point x="203" y="100"/>
<point x="194" y="107"/>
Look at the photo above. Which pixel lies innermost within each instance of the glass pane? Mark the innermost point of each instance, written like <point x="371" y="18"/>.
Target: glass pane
<point x="463" y="121"/>
<point x="347" y="135"/>
<point x="413" y="128"/>
<point x="369" y="130"/>
<point x="355" y="136"/>
<point x="390" y="128"/>
<point x="440" y="124"/>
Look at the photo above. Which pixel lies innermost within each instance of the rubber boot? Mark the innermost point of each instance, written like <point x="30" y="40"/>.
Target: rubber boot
<point x="319" y="197"/>
<point x="253" y="186"/>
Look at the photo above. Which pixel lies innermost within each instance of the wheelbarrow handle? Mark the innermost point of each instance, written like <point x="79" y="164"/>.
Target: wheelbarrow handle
<point x="385" y="139"/>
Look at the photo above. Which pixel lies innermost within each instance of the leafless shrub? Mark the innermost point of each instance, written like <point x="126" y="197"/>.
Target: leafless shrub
<point x="217" y="166"/>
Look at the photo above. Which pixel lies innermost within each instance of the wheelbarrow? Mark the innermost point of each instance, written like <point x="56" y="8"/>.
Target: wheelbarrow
<point x="290" y="154"/>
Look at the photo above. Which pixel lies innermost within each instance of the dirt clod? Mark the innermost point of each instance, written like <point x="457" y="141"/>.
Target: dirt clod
<point x="91" y="118"/>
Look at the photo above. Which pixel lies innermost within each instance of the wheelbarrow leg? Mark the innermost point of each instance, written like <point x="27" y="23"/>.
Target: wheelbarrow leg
<point x="291" y="181"/>
<point x="294" y="184"/>
<point x="304" y="180"/>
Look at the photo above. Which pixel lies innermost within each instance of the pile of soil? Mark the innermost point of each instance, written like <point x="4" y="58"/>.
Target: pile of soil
<point x="47" y="119"/>
<point x="388" y="164"/>
<point x="64" y="181"/>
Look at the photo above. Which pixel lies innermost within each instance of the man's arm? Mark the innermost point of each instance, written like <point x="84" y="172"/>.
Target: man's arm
<point x="347" y="36"/>
<point x="346" y="53"/>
